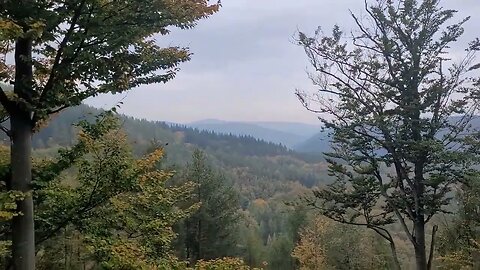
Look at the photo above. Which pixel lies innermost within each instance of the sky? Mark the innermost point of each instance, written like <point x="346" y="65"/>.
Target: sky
<point x="245" y="64"/>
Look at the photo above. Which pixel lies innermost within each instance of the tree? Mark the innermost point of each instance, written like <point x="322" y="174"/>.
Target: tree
<point x="279" y="248"/>
<point x="8" y="207"/>
<point x="134" y="229"/>
<point x="222" y="264"/>
<point x="211" y="231"/>
<point x="326" y="245"/>
<point x="66" y="51"/>
<point x="310" y="251"/>
<point x="117" y="209"/>
<point x="251" y="244"/>
<point x="459" y="241"/>
<point x="399" y="110"/>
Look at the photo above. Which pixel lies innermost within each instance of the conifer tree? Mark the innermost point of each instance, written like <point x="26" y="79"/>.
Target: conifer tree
<point x="210" y="232"/>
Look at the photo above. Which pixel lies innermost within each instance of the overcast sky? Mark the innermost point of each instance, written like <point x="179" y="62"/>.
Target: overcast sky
<point x="245" y="65"/>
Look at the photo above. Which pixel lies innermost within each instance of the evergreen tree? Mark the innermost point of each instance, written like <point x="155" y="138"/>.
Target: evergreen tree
<point x="211" y="232"/>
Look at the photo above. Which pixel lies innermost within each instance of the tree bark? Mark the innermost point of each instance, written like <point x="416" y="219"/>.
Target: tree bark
<point x="396" y="262"/>
<point x="419" y="245"/>
<point x="432" y="247"/>
<point x="23" y="239"/>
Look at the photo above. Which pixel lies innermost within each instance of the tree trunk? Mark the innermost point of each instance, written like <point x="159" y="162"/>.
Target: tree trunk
<point x="432" y="247"/>
<point x="420" y="250"/>
<point x="396" y="262"/>
<point x="23" y="240"/>
<point x="187" y="242"/>
<point x="199" y="240"/>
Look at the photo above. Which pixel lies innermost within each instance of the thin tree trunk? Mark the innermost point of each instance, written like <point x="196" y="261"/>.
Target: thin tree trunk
<point x="199" y="232"/>
<point x="23" y="239"/>
<point x="421" y="258"/>
<point x="396" y="262"/>
<point x="65" y="247"/>
<point x="432" y="247"/>
<point x="187" y="243"/>
<point x="199" y="244"/>
<point x="420" y="250"/>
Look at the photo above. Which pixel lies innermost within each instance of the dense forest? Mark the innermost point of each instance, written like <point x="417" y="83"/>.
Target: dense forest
<point x="242" y="185"/>
<point x="397" y="186"/>
<point x="250" y="189"/>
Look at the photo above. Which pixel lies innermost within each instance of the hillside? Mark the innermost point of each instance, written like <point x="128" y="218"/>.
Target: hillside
<point x="262" y="175"/>
<point x="318" y="143"/>
<point x="266" y="166"/>
<point x="248" y="129"/>
<point x="300" y="137"/>
<point x="301" y="129"/>
<point x="285" y="133"/>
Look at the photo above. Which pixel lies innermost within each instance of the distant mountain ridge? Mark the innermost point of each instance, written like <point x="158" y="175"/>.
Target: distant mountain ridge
<point x="318" y="143"/>
<point x="300" y="137"/>
<point x="252" y="163"/>
<point x="289" y="134"/>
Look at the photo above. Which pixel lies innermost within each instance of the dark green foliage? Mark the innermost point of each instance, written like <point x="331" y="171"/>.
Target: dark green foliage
<point x="260" y="162"/>
<point x="212" y="231"/>
<point x="399" y="111"/>
<point x="79" y="51"/>
<point x="271" y="231"/>
<point x="279" y="253"/>
<point x="63" y="52"/>
<point x="243" y="145"/>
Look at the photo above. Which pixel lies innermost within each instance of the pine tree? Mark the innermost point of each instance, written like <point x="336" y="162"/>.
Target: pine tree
<point x="211" y="231"/>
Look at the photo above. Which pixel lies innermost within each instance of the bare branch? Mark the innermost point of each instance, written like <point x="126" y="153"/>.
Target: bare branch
<point x="6" y="102"/>
<point x="6" y="131"/>
<point x="57" y="61"/>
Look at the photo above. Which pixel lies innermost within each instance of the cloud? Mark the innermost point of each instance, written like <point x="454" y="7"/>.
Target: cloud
<point x="245" y="64"/>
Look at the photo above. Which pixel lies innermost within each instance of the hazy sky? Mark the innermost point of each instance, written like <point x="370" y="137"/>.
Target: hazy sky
<point x="245" y="65"/>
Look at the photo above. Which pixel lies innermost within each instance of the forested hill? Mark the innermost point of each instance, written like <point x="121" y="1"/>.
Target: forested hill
<point x="285" y="133"/>
<point x="61" y="130"/>
<point x="264" y="167"/>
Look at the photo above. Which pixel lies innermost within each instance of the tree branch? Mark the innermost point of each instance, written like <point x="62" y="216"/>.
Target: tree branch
<point x="57" y="61"/>
<point x="7" y="104"/>
<point x="6" y="130"/>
